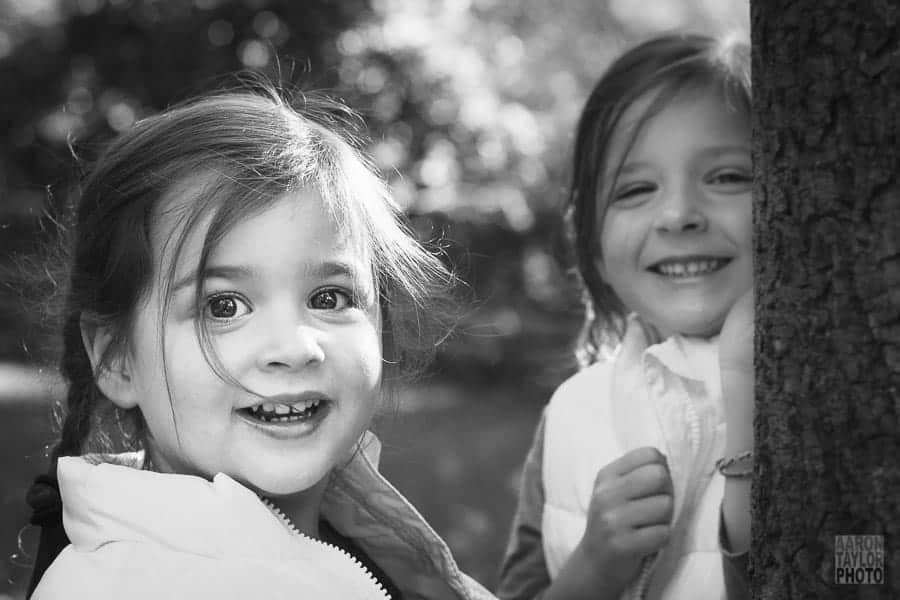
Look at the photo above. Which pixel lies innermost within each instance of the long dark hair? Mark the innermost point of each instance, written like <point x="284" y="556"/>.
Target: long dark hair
<point x="666" y="66"/>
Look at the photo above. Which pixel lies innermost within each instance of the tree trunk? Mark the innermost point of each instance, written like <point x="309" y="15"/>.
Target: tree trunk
<point x="826" y="84"/>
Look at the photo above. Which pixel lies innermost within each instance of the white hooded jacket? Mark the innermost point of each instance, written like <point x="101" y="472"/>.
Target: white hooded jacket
<point x="139" y="534"/>
<point x="668" y="396"/>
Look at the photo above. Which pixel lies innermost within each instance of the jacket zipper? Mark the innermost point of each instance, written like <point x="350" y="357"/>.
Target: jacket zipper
<point x="646" y="572"/>
<point x="643" y="579"/>
<point x="286" y="521"/>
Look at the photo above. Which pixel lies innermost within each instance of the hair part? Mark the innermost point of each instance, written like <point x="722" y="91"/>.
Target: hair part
<point x="252" y="145"/>
<point x="667" y="66"/>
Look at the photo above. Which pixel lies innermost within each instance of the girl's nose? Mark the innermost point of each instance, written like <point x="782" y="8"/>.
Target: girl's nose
<point x="682" y="210"/>
<point x="292" y="348"/>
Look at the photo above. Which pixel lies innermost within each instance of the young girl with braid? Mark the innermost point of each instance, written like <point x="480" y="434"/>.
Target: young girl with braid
<point x="241" y="292"/>
<point x="637" y="485"/>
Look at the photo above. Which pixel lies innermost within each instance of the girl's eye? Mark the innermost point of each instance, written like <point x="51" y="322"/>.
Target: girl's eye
<point x="330" y="300"/>
<point x="226" y="307"/>
<point x="633" y="191"/>
<point x="734" y="180"/>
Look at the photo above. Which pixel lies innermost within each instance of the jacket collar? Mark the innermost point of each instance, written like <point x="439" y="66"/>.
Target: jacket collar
<point x="691" y="358"/>
<point x="106" y="499"/>
<point x="109" y="498"/>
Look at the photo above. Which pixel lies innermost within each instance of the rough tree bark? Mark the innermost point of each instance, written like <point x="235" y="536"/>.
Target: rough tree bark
<point x="826" y="79"/>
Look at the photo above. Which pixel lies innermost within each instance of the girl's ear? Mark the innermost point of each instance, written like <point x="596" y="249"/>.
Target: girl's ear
<point x="114" y="377"/>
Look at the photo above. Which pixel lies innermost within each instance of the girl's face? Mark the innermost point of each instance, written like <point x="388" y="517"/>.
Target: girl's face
<point x="676" y="236"/>
<point x="293" y="315"/>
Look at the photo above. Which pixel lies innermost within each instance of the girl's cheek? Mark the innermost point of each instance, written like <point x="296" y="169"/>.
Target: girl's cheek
<point x="368" y="341"/>
<point x="235" y="348"/>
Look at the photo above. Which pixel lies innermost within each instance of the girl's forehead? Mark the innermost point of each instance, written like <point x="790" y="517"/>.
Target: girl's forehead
<point x="703" y="106"/>
<point x="633" y="118"/>
<point x="179" y="218"/>
<point x="182" y="199"/>
<point x="246" y="227"/>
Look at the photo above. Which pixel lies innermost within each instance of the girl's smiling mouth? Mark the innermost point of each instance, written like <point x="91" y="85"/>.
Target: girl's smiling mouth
<point x="688" y="266"/>
<point x="306" y="409"/>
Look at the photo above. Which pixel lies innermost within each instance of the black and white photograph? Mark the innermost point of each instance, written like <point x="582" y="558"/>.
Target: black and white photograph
<point x="449" y="299"/>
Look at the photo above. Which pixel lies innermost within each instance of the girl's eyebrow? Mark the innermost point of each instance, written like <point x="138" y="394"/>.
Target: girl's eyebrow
<point x="727" y="149"/>
<point x="630" y="167"/>
<point x="215" y="271"/>
<point x="326" y="269"/>
<point x="334" y="268"/>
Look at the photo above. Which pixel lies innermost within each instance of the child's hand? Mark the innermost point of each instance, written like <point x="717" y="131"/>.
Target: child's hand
<point x="629" y="515"/>
<point x="736" y="338"/>
<point x="736" y="369"/>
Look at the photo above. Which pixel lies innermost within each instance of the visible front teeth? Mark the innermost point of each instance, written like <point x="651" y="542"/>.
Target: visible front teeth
<point x="277" y="412"/>
<point x="690" y="268"/>
<point x="305" y="405"/>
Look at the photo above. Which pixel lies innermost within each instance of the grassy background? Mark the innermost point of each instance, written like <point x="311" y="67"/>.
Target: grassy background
<point x="454" y="449"/>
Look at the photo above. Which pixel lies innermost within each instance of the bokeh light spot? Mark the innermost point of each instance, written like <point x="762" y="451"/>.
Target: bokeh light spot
<point x="387" y="106"/>
<point x="120" y="116"/>
<point x="441" y="112"/>
<point x="389" y="154"/>
<point x="38" y="12"/>
<point x="59" y="125"/>
<point x="6" y="44"/>
<point x="492" y="153"/>
<point x="220" y="33"/>
<point x="266" y="24"/>
<point x="372" y="80"/>
<point x="80" y="101"/>
<point x="350" y="43"/>
<point x="254" y="54"/>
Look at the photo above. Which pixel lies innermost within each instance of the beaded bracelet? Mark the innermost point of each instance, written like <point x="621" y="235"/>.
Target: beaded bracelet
<point x="724" y="465"/>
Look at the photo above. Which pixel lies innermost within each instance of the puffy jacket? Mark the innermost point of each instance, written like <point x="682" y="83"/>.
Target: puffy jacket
<point x="667" y="395"/>
<point x="140" y="534"/>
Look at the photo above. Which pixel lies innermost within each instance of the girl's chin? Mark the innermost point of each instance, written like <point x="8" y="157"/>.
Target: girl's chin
<point x="276" y="487"/>
<point x="690" y="328"/>
<point x="703" y="332"/>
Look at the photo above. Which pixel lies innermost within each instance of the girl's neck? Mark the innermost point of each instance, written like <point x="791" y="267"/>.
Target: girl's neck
<point x="656" y="335"/>
<point x="303" y="508"/>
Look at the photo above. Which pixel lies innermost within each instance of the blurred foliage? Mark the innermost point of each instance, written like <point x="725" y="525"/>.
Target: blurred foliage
<point x="470" y="105"/>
